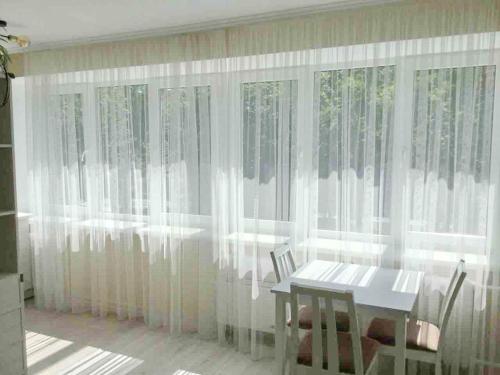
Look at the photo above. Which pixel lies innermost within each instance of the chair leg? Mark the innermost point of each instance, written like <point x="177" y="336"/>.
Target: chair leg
<point x="412" y="366"/>
<point x="374" y="370"/>
<point x="291" y="357"/>
<point x="438" y="367"/>
<point x="472" y="366"/>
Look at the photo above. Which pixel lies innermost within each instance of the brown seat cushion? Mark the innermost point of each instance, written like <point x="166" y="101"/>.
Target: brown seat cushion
<point x="491" y="371"/>
<point x="369" y="348"/>
<point x="420" y="335"/>
<point x="305" y="319"/>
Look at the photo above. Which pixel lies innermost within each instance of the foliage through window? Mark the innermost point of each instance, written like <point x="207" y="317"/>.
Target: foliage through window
<point x="123" y="134"/>
<point x="185" y="149"/>
<point x="269" y="116"/>
<point x="354" y="120"/>
<point x="68" y="117"/>
<point x="445" y="183"/>
<point x="451" y="149"/>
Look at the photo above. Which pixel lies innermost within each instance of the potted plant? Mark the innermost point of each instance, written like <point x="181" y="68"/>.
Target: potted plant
<point x="21" y="41"/>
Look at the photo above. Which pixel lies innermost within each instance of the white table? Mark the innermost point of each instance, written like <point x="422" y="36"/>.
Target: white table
<point x="381" y="292"/>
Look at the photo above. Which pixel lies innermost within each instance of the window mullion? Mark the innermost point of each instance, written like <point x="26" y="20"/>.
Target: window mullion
<point x="403" y="112"/>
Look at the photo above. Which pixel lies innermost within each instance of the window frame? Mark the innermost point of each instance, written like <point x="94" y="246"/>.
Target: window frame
<point x="178" y="82"/>
<point x="304" y="75"/>
<point x="77" y="89"/>
<point x="333" y="233"/>
<point x="94" y="110"/>
<point x="263" y="76"/>
<point x="473" y="244"/>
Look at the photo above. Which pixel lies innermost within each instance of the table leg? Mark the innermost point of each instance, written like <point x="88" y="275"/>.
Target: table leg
<point x="400" y="347"/>
<point x="280" y="335"/>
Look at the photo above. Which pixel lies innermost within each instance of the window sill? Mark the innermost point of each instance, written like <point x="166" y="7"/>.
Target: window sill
<point x="444" y="257"/>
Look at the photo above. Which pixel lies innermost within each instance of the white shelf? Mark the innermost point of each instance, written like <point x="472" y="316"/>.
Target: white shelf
<point x="12" y="361"/>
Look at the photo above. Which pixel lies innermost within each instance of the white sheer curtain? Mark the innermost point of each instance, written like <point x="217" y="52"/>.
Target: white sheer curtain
<point x="163" y="171"/>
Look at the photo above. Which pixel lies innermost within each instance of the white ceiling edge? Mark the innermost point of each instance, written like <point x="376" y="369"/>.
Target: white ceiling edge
<point x="204" y="26"/>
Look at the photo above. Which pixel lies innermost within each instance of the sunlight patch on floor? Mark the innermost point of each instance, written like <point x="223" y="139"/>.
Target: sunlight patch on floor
<point x="52" y="355"/>
<point x="39" y="347"/>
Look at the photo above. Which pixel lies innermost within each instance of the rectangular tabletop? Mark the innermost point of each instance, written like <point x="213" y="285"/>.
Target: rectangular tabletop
<point x="373" y="287"/>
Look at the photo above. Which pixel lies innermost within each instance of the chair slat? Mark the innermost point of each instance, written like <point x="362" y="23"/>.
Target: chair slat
<point x="332" y="341"/>
<point x="355" y="337"/>
<point x="291" y="261"/>
<point x="448" y="298"/>
<point x="445" y="313"/>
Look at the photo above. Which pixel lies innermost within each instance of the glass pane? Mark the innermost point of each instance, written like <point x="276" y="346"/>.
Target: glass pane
<point x="269" y="116"/>
<point x="123" y="133"/>
<point x="354" y="120"/>
<point x="451" y="147"/>
<point x="68" y="116"/>
<point x="185" y="149"/>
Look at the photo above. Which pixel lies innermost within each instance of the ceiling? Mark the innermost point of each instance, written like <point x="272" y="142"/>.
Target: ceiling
<point x="54" y="22"/>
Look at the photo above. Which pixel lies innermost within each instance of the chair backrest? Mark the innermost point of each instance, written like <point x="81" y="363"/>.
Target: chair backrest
<point x="327" y="298"/>
<point x="283" y="262"/>
<point x="449" y="299"/>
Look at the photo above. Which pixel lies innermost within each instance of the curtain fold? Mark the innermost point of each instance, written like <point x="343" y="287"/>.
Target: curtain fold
<point x="163" y="171"/>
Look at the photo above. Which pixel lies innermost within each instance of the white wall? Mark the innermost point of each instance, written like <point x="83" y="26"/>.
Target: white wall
<point x="22" y="187"/>
<point x="20" y="152"/>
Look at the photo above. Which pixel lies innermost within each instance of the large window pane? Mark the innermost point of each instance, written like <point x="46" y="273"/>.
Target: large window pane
<point x="123" y="136"/>
<point x="269" y="111"/>
<point x="68" y="117"/>
<point x="185" y="149"/>
<point x="354" y="119"/>
<point x="451" y="149"/>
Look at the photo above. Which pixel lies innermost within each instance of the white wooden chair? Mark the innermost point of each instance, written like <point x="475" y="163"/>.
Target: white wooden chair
<point x="424" y="341"/>
<point x="329" y="352"/>
<point x="284" y="266"/>
<point x="283" y="262"/>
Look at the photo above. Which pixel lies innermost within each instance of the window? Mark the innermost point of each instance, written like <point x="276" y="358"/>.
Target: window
<point x="354" y="120"/>
<point x="443" y="136"/>
<point x="67" y="112"/>
<point x="185" y="149"/>
<point x="451" y="149"/>
<point x="269" y="111"/>
<point x="123" y="135"/>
